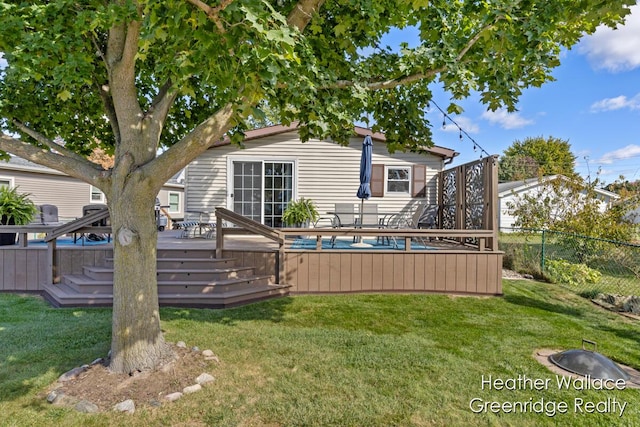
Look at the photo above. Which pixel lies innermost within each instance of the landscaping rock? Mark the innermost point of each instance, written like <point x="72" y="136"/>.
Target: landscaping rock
<point x="195" y="348"/>
<point x="204" y="379"/>
<point x="55" y="395"/>
<point x="172" y="397"/>
<point x="192" y="389"/>
<point x="72" y="374"/>
<point x="181" y="344"/>
<point x="98" y="361"/>
<point x="209" y="355"/>
<point x="127" y="406"/>
<point x="632" y="305"/>
<point x="86" y="407"/>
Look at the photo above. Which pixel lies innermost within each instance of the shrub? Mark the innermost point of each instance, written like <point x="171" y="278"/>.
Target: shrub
<point x="563" y="271"/>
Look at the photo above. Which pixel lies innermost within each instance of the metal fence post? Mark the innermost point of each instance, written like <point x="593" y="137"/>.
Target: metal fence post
<point x="542" y="253"/>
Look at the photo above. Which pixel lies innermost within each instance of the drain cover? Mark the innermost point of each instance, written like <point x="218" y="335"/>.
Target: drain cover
<point x="592" y="363"/>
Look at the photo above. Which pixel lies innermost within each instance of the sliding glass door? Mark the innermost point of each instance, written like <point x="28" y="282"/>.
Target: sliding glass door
<point x="262" y="189"/>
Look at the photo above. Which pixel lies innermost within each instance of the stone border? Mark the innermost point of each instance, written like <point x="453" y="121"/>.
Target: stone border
<point x="58" y="397"/>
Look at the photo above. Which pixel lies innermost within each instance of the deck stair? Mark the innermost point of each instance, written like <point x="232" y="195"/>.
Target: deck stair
<point x="193" y="278"/>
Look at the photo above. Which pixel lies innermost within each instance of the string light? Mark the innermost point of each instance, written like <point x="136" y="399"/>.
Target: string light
<point x="461" y="131"/>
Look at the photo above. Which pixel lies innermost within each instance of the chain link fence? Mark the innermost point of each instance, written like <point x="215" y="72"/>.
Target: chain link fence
<point x="586" y="265"/>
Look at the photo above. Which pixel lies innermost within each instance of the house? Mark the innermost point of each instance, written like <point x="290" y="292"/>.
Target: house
<point x="275" y="167"/>
<point x="510" y="192"/>
<point x="70" y="195"/>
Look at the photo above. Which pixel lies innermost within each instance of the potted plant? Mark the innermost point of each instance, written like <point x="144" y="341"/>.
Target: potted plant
<point x="300" y="213"/>
<point x="15" y="209"/>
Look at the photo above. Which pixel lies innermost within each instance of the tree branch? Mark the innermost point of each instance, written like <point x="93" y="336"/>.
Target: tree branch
<point x="122" y="48"/>
<point x="77" y="167"/>
<point x="212" y="12"/>
<point x="391" y="83"/>
<point x="191" y="146"/>
<point x="302" y="13"/>
<point x="46" y="141"/>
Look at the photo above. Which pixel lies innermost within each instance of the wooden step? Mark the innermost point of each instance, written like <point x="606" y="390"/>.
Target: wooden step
<point x="61" y="295"/>
<point x="87" y="285"/>
<point x="186" y="253"/>
<point x="188" y="263"/>
<point x="180" y="274"/>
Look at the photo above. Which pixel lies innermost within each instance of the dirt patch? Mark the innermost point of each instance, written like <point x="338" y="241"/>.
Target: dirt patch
<point x="105" y="389"/>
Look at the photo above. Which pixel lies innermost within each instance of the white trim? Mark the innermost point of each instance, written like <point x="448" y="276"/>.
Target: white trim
<point x="12" y="181"/>
<point x="102" y="197"/>
<point x="388" y="193"/>
<point x="169" y="193"/>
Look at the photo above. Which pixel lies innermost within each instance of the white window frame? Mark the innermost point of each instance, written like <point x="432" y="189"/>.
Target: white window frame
<point x="179" y="209"/>
<point x="386" y="180"/>
<point x="91" y="192"/>
<point x="9" y="179"/>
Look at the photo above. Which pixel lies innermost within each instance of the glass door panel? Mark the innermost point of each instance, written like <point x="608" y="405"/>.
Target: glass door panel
<point x="247" y="189"/>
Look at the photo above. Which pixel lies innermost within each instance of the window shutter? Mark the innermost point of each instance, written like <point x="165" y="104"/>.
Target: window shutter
<point x="419" y="181"/>
<point x="377" y="180"/>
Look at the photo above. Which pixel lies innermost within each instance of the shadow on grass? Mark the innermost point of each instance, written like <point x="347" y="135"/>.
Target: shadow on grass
<point x="271" y="310"/>
<point x="543" y="305"/>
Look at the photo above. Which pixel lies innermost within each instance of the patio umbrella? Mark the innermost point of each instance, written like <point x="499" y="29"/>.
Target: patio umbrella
<point x="364" y="191"/>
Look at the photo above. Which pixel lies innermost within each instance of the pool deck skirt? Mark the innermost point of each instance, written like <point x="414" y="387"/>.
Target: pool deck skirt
<point x="439" y="268"/>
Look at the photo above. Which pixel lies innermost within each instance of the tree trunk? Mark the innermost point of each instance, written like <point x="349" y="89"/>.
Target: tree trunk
<point x="137" y="343"/>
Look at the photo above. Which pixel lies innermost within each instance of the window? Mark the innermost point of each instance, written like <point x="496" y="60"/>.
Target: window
<point x="174" y="202"/>
<point x="97" y="196"/>
<point x="6" y="182"/>
<point x="398" y="180"/>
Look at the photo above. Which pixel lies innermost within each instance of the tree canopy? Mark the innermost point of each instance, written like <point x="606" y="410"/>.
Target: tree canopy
<point x="132" y="76"/>
<point x="535" y="157"/>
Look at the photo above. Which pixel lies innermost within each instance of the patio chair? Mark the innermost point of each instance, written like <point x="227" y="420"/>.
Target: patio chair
<point x="344" y="215"/>
<point x="47" y="215"/>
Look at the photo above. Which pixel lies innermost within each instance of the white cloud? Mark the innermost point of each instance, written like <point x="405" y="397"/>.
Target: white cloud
<point x="465" y="123"/>
<point x="617" y="103"/>
<point x="629" y="151"/>
<point x="506" y="120"/>
<point x="615" y="50"/>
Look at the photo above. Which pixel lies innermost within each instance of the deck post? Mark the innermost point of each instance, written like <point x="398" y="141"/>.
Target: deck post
<point x="219" y="237"/>
<point x="52" y="263"/>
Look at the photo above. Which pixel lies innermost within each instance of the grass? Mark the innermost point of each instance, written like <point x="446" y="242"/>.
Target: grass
<point x="374" y="360"/>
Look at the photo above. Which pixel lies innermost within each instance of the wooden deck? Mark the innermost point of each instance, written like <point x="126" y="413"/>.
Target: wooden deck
<point x="83" y="273"/>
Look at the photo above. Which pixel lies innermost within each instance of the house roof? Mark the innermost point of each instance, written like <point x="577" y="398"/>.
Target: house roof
<point x="506" y="188"/>
<point x="445" y="153"/>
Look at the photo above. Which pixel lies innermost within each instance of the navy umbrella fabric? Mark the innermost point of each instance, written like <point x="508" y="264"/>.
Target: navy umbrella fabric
<point x="364" y="191"/>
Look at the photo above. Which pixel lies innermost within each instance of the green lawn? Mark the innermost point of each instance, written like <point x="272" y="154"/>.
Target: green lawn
<point x="361" y="360"/>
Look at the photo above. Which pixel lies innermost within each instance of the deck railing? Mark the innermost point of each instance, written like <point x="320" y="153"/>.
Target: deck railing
<point x="483" y="238"/>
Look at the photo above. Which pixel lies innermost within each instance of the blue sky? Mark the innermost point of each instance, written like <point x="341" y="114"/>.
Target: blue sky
<point x="594" y="104"/>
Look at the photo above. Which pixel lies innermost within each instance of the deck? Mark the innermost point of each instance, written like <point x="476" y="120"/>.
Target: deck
<point x="248" y="261"/>
<point x="443" y="268"/>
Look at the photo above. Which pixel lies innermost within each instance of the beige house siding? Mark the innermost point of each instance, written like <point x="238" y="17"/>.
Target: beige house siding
<point x="324" y="171"/>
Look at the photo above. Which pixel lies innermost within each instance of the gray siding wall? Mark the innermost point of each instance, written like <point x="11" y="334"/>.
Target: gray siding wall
<point x="68" y="194"/>
<point x="325" y="172"/>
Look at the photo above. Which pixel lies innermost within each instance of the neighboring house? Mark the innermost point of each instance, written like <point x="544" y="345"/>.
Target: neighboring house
<point x="510" y="192"/>
<point x="70" y="195"/>
<point x="275" y="167"/>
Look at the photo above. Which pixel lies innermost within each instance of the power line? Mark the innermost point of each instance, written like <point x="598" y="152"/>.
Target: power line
<point x="461" y="131"/>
